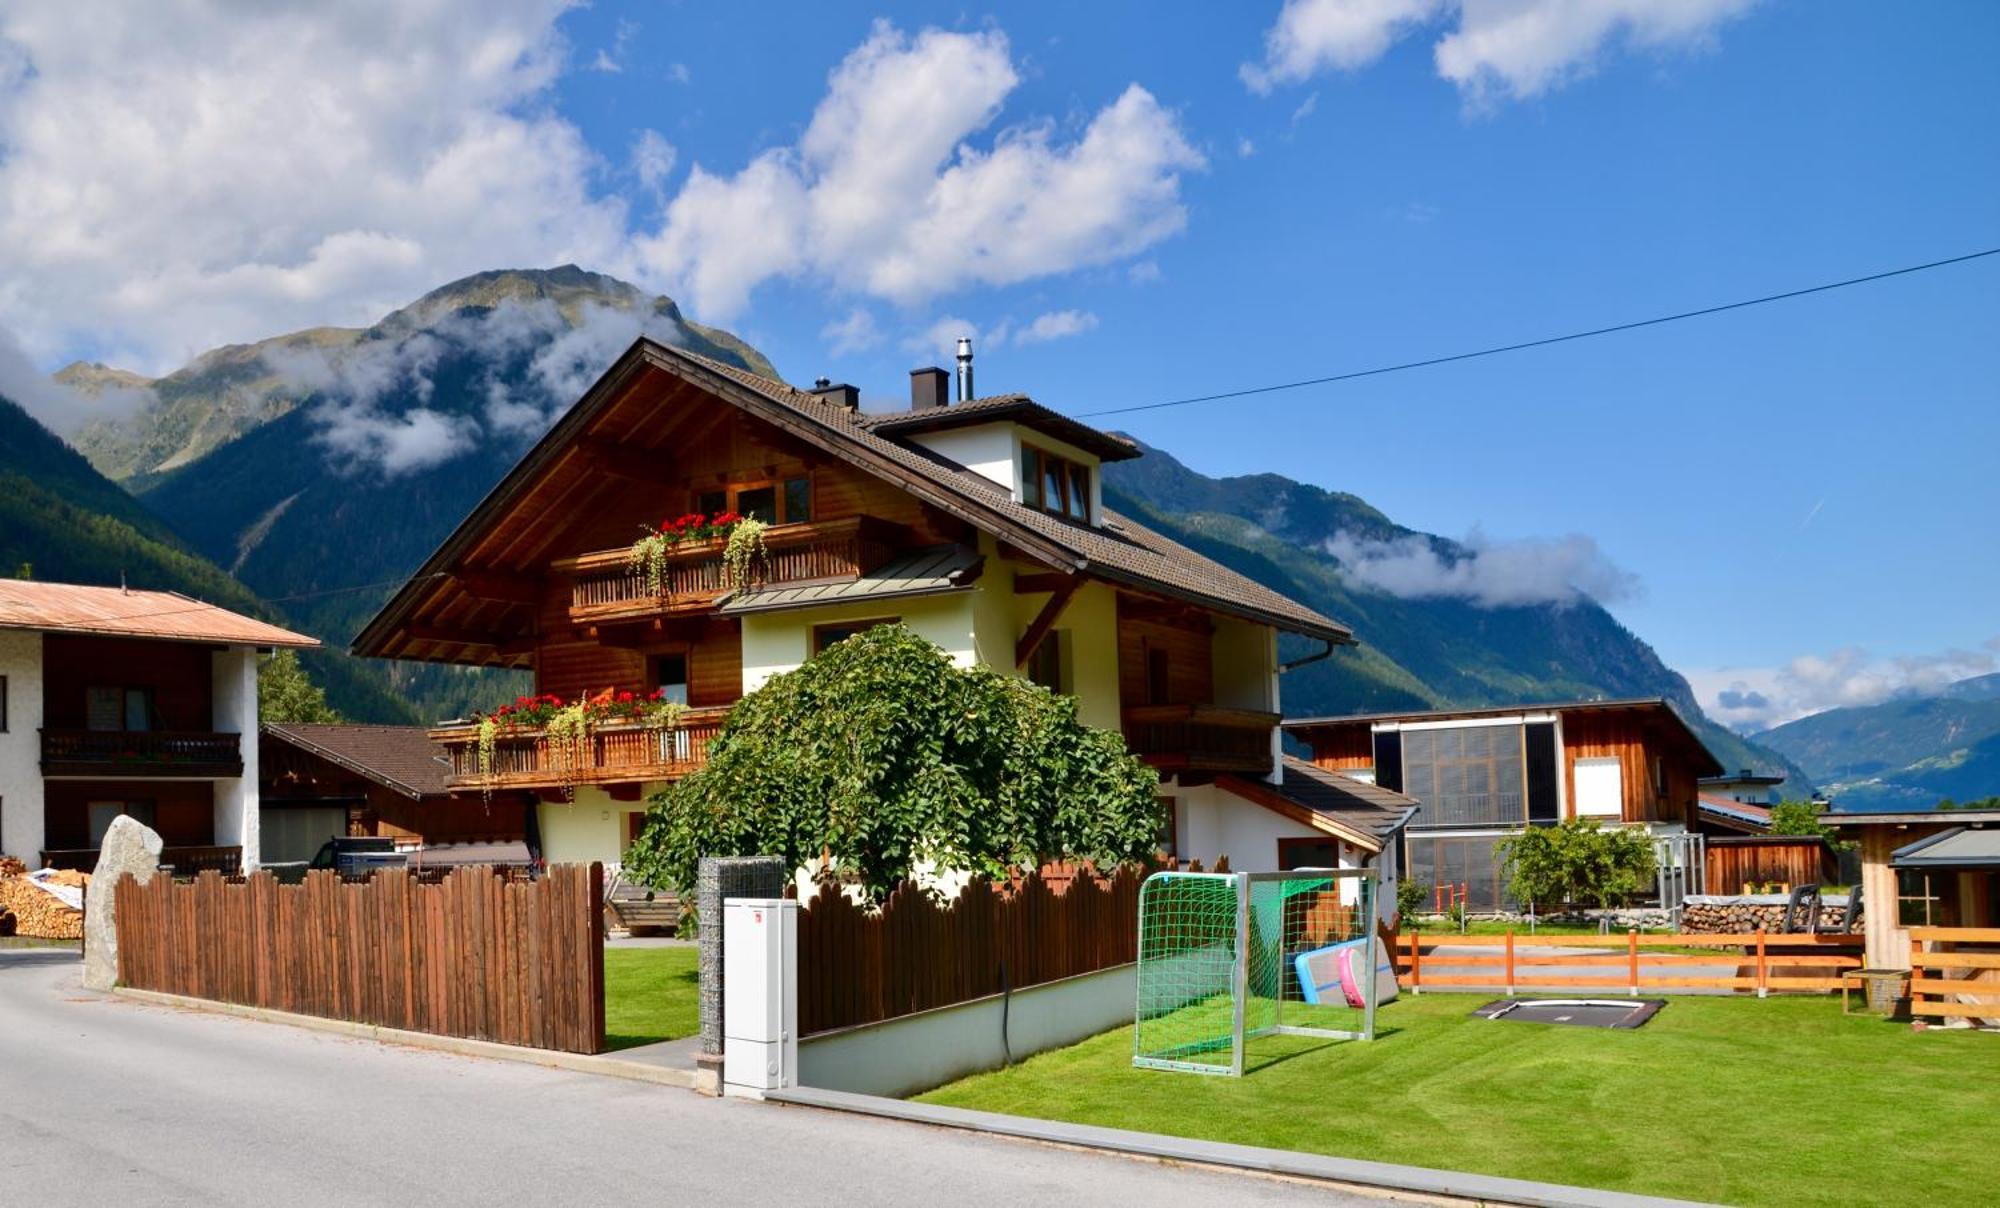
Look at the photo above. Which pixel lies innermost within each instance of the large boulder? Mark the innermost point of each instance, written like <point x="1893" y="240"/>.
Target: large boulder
<point x="130" y="847"/>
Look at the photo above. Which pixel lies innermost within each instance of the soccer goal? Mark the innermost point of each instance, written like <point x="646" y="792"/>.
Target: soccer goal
<point x="1227" y="957"/>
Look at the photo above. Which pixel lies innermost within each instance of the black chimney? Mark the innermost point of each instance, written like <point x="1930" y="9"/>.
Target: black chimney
<point x="844" y="394"/>
<point x="929" y="388"/>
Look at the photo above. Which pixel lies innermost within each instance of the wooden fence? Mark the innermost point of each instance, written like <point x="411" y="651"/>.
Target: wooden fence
<point x="1955" y="971"/>
<point x="858" y="965"/>
<point x="1733" y="863"/>
<point x="473" y="956"/>
<point x="1631" y="962"/>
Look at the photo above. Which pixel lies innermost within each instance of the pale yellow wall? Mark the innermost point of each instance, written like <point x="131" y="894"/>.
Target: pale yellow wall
<point x="1244" y="661"/>
<point x="592" y="827"/>
<point x="1090" y="644"/>
<point x="776" y="642"/>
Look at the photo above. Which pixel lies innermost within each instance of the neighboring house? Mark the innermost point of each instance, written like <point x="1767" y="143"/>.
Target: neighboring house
<point x="128" y="702"/>
<point x="320" y="780"/>
<point x="978" y="524"/>
<point x="1745" y="787"/>
<point x="1923" y="868"/>
<point x="1728" y="816"/>
<point x="1481" y="775"/>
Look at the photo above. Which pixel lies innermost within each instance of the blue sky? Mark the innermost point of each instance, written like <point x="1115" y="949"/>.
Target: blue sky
<point x="1803" y="493"/>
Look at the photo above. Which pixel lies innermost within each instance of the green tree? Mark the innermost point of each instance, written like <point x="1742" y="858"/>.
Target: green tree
<point x="1411" y="896"/>
<point x="285" y="693"/>
<point x="1579" y="862"/>
<point x="1799" y="818"/>
<point x="883" y="754"/>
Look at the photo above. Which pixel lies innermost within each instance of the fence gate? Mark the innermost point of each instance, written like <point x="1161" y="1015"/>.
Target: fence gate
<point x="1682" y="861"/>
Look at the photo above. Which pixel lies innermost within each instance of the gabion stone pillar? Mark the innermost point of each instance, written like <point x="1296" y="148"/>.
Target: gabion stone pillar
<point x="717" y="879"/>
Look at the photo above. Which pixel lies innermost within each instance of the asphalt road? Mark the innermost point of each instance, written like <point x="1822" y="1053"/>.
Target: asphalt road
<point x="107" y="1101"/>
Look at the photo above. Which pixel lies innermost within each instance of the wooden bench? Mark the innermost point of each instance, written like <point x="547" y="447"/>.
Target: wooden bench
<point x="642" y="910"/>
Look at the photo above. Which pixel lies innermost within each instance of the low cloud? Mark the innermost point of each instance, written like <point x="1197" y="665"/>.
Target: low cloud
<point x="940" y="337"/>
<point x="59" y="406"/>
<point x="1483" y="571"/>
<point x="375" y="406"/>
<point x="1498" y="49"/>
<point x="1056" y="325"/>
<point x="853" y="332"/>
<point x="1756" y="698"/>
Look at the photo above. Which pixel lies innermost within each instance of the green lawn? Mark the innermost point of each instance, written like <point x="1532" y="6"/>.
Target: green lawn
<point x="649" y="994"/>
<point x="1784" y="1101"/>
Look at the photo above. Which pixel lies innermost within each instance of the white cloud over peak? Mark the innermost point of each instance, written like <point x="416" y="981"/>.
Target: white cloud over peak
<point x="1485" y="572"/>
<point x="1757" y="698"/>
<point x="1497" y="49"/>
<point x="885" y="195"/>
<point x="178" y="175"/>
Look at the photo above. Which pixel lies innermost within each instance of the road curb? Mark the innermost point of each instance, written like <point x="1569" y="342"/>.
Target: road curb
<point x="581" y="1063"/>
<point x="1351" y="1173"/>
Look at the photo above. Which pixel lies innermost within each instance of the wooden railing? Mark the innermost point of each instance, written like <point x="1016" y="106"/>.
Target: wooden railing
<point x="1630" y="962"/>
<point x="1955" y="972"/>
<point x="1201" y="738"/>
<point x="603" y="587"/>
<point x="185" y="861"/>
<point x="613" y="752"/>
<point x="140" y="753"/>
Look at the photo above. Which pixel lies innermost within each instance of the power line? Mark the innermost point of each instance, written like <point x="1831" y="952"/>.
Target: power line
<point x="1544" y="342"/>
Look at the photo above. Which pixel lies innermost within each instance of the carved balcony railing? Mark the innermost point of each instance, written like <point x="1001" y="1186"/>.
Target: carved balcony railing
<point x="1201" y="738"/>
<point x="620" y="752"/>
<point x="603" y="587"/>
<point x="157" y="753"/>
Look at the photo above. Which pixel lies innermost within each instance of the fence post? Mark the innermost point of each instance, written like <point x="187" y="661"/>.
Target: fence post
<point x="1510" y="962"/>
<point x="1416" y="965"/>
<point x="1763" y="968"/>
<point x="1632" y="958"/>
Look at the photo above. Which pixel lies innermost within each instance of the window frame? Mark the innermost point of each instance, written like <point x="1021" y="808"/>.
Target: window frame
<point x="1074" y="483"/>
<point x="728" y="498"/>
<point x="1287" y="844"/>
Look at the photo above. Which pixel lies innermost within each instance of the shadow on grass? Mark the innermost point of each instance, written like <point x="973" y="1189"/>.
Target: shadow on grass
<point x="1265" y="1063"/>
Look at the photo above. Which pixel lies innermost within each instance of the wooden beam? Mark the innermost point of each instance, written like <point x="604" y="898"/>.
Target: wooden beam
<point x="1026" y="585"/>
<point x="622" y="461"/>
<point x="499" y="586"/>
<point x="1045" y="620"/>
<point x="455" y="637"/>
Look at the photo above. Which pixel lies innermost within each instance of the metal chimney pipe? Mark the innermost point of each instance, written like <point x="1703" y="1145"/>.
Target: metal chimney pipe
<point x="964" y="368"/>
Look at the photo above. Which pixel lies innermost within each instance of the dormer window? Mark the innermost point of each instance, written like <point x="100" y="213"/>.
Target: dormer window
<point x="1055" y="484"/>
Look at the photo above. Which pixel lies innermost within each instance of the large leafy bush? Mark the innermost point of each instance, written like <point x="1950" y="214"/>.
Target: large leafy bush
<point x="884" y="755"/>
<point x="1580" y="862"/>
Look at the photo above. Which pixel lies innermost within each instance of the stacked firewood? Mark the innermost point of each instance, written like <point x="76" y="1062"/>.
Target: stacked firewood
<point x="37" y="912"/>
<point x="1742" y="918"/>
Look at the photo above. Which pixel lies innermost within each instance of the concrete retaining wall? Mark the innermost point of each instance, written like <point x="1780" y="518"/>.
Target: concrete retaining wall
<point x="914" y="1053"/>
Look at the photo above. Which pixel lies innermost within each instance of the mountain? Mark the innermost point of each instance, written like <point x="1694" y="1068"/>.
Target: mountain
<point x="1904" y="753"/>
<point x="340" y="459"/>
<point x="61" y="520"/>
<point x="1415" y="653"/>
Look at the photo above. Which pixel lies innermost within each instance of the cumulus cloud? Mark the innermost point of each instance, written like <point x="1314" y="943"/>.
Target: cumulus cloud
<point x="852" y="332"/>
<point x="1497" y="49"/>
<point x="885" y="194"/>
<point x="1056" y="325"/>
<point x="1756" y="698"/>
<point x="653" y="159"/>
<point x="374" y="405"/>
<point x="184" y="175"/>
<point x="59" y="407"/>
<point x="1483" y="571"/>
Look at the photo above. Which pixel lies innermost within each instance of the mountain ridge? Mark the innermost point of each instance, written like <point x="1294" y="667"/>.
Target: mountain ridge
<point x="1903" y="753"/>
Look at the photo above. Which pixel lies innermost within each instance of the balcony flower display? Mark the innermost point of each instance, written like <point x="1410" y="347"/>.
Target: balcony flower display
<point x="649" y="553"/>
<point x="566" y="726"/>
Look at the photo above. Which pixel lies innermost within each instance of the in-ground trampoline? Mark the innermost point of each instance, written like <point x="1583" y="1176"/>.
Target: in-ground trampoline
<point x="1625" y="1013"/>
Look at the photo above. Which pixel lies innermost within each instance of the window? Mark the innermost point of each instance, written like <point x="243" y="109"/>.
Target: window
<point x="1170" y="828"/>
<point x="1660" y="777"/>
<point x="1045" y="664"/>
<point x="787" y="502"/>
<point x="1916" y="903"/>
<point x="758" y="503"/>
<point x="840" y="631"/>
<point x="798" y="500"/>
<point x="1600" y="788"/>
<point x="1308" y="853"/>
<point x="708" y="503"/>
<point x="1465" y="775"/>
<point x="670" y="672"/>
<point x="104" y="813"/>
<point x="1054" y="484"/>
<point x="109" y="708"/>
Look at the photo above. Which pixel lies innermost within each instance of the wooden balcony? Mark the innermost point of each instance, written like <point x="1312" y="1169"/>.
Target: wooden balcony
<point x="624" y="752"/>
<point x="1201" y="738"/>
<point x="151" y="753"/>
<point x="603" y="588"/>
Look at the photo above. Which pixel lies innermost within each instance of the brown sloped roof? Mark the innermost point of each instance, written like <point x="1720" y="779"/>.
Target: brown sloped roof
<point x="1364" y="813"/>
<point x="399" y="758"/>
<point x="1019" y="408"/>
<point x="117" y="612"/>
<point x="1121" y="551"/>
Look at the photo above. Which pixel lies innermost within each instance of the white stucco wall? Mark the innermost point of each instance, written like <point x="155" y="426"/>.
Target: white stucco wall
<point x="777" y="642"/>
<point x="236" y="815"/>
<point x="991" y="451"/>
<point x="21" y="809"/>
<point x="592" y="827"/>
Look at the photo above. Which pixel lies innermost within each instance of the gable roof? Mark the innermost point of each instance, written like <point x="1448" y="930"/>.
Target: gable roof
<point x="117" y="612"/>
<point x="1366" y="815"/>
<point x="400" y="758"/>
<point x="1122" y="551"/>
<point x="1741" y="813"/>
<point x="1018" y="408"/>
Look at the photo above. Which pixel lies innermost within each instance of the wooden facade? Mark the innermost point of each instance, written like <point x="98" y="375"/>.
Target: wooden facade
<point x="182" y="811"/>
<point x="1786" y="860"/>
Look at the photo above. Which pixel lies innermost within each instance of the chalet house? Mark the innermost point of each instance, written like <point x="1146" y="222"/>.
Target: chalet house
<point x="979" y="523"/>
<point x="128" y="702"/>
<point x="320" y="780"/>
<point x="1924" y="868"/>
<point x="1481" y="775"/>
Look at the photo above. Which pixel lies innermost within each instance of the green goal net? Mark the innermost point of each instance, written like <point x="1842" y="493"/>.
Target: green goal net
<point x="1222" y="957"/>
